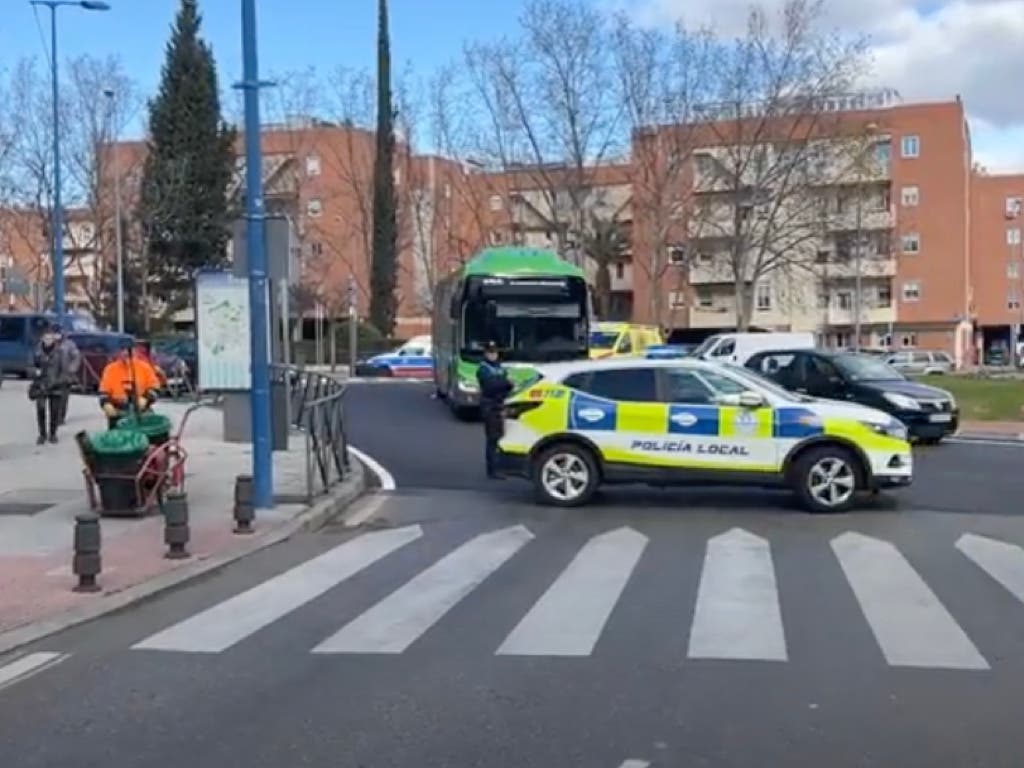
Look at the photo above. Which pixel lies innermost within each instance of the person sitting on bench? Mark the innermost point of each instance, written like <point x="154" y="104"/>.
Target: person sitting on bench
<point x="128" y="380"/>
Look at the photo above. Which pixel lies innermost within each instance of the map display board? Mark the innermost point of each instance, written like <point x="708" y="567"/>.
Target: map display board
<point x="222" y="332"/>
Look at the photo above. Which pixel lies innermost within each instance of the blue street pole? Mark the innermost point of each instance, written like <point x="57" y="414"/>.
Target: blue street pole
<point x="262" y="458"/>
<point x="57" y="215"/>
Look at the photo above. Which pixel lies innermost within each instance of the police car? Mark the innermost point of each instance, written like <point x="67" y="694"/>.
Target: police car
<point x="574" y="426"/>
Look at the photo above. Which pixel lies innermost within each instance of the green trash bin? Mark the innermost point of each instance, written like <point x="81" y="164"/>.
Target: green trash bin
<point x="118" y="452"/>
<point x="155" y="426"/>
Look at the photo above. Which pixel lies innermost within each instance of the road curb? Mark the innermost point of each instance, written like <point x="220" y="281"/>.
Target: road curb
<point x="988" y="437"/>
<point x="310" y="519"/>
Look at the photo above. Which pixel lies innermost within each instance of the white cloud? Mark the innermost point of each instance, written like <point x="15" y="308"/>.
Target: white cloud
<point x="931" y="51"/>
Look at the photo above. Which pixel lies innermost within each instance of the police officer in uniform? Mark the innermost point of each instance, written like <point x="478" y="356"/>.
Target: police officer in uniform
<point x="494" y="388"/>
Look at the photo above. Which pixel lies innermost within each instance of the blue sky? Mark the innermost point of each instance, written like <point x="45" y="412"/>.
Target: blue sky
<point x="927" y="49"/>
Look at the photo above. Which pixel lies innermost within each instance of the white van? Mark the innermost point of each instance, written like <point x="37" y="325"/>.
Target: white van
<point x="737" y="348"/>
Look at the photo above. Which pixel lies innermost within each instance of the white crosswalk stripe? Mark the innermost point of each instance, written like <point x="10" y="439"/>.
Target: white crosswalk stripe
<point x="233" y="620"/>
<point x="569" y="618"/>
<point x="737" y="614"/>
<point x="395" y="623"/>
<point x="736" y="610"/>
<point x="1003" y="562"/>
<point x="912" y="627"/>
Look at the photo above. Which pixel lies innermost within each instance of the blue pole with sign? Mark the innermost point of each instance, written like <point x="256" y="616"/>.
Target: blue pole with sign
<point x="262" y="457"/>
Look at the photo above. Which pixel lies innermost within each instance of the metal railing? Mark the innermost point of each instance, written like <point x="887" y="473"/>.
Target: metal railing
<point x="315" y="406"/>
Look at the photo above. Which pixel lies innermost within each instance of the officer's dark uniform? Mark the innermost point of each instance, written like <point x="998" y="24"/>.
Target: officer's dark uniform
<point x="494" y="388"/>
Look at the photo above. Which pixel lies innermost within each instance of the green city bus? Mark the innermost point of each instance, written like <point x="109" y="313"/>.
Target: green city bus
<point x="535" y="305"/>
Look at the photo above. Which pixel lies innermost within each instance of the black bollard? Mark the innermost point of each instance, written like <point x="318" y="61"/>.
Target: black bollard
<point x="176" y="530"/>
<point x="244" y="511"/>
<point x="87" y="563"/>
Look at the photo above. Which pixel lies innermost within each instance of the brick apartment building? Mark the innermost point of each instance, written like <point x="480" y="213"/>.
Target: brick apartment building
<point x="941" y="259"/>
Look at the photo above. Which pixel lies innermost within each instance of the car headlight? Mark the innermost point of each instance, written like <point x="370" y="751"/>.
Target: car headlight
<point x="902" y="401"/>
<point x="893" y="428"/>
<point x="468" y="386"/>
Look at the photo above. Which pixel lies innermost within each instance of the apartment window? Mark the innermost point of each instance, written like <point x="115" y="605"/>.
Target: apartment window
<point x="447" y="191"/>
<point x="882" y="153"/>
<point x="314" y="207"/>
<point x="676" y="299"/>
<point x="844" y="300"/>
<point x="620" y="271"/>
<point x="316" y="249"/>
<point x="705" y="299"/>
<point x="398" y="177"/>
<point x="313" y="165"/>
<point x="763" y="297"/>
<point x="1013" y="236"/>
<point x="910" y="146"/>
<point x="822" y="299"/>
<point x="911" y="243"/>
<point x="911" y="290"/>
<point x="1013" y="207"/>
<point x="909" y="196"/>
<point x="495" y="202"/>
<point x="908" y="340"/>
<point x="496" y="237"/>
<point x="1012" y="302"/>
<point x="1012" y="270"/>
<point x="883" y="296"/>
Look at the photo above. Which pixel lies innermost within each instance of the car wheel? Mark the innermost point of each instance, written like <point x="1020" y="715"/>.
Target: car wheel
<point x="565" y="475"/>
<point x="931" y="440"/>
<point x="825" y="479"/>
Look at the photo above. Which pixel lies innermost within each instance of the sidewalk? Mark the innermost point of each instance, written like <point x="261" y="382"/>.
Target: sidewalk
<point x="41" y="491"/>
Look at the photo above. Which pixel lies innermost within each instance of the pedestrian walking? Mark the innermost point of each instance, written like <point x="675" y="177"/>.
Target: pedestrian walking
<point x="48" y="383"/>
<point x="494" y="388"/>
<point x="73" y="365"/>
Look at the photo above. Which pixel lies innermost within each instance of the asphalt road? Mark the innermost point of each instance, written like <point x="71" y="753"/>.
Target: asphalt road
<point x="425" y="447"/>
<point x="465" y="626"/>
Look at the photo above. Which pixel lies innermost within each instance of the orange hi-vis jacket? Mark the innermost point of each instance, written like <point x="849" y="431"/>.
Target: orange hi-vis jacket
<point x="119" y="375"/>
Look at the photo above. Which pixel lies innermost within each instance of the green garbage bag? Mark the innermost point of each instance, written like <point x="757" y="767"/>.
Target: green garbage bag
<point x="149" y="424"/>
<point x="118" y="442"/>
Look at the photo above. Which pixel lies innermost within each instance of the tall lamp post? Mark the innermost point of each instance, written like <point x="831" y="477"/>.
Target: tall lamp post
<point x="112" y="114"/>
<point x="262" y="457"/>
<point x="57" y="222"/>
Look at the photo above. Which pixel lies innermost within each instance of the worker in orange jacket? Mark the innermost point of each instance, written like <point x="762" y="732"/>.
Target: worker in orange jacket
<point x="127" y="378"/>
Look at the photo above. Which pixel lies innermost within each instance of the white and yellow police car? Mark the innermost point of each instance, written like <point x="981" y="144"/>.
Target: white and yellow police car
<point x="574" y="426"/>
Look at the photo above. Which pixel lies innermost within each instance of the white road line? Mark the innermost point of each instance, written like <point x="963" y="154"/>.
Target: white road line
<point x="569" y="618"/>
<point x="1002" y="561"/>
<point x="387" y="482"/>
<point x="21" y="668"/>
<point x="393" y="624"/>
<point x="912" y="626"/>
<point x="633" y="763"/>
<point x="737" y="614"/>
<point x="233" y="620"/>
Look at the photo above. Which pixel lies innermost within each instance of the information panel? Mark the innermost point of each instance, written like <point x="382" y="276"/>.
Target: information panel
<point x="222" y="332"/>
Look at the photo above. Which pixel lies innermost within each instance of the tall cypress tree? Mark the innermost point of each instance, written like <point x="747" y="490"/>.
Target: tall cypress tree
<point x="383" y="267"/>
<point x="184" y="207"/>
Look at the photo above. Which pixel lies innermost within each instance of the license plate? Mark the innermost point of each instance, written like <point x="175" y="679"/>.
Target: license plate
<point x="940" y="417"/>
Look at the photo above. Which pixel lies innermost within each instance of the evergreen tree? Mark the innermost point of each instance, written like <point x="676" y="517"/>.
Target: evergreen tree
<point x="189" y="165"/>
<point x="383" y="266"/>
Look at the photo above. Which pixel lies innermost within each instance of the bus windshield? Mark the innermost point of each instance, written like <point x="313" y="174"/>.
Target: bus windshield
<point x="531" y="321"/>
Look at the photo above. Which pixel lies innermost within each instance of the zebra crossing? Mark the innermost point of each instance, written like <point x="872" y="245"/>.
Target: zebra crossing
<point x="736" y="614"/>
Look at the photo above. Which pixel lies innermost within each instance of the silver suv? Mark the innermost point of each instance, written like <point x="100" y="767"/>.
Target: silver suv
<point x="917" y="362"/>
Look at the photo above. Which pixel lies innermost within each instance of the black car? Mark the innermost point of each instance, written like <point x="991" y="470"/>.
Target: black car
<point x="929" y="413"/>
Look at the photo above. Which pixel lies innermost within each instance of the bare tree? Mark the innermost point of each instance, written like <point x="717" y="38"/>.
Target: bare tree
<point x="663" y="78"/>
<point x="605" y="242"/>
<point x="548" y="110"/>
<point x="758" y="182"/>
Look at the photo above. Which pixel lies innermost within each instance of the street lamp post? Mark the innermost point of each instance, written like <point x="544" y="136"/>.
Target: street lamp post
<point x="57" y="217"/>
<point x="109" y="93"/>
<point x="262" y="458"/>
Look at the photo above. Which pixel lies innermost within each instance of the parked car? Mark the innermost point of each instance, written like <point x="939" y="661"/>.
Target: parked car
<point x="921" y="362"/>
<point x="615" y="339"/>
<point x="98" y="348"/>
<point x="414" y="359"/>
<point x="737" y="348"/>
<point x="176" y="359"/>
<point x="929" y="413"/>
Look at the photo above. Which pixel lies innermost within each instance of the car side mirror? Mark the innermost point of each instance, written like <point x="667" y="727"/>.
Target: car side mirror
<point x="746" y="399"/>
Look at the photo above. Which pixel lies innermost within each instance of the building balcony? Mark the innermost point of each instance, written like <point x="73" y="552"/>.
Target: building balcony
<point x="868" y="315"/>
<point x="870" y="219"/>
<point x="872" y="266"/>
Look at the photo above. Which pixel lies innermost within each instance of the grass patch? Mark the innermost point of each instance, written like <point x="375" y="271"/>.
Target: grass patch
<point x="983" y="399"/>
